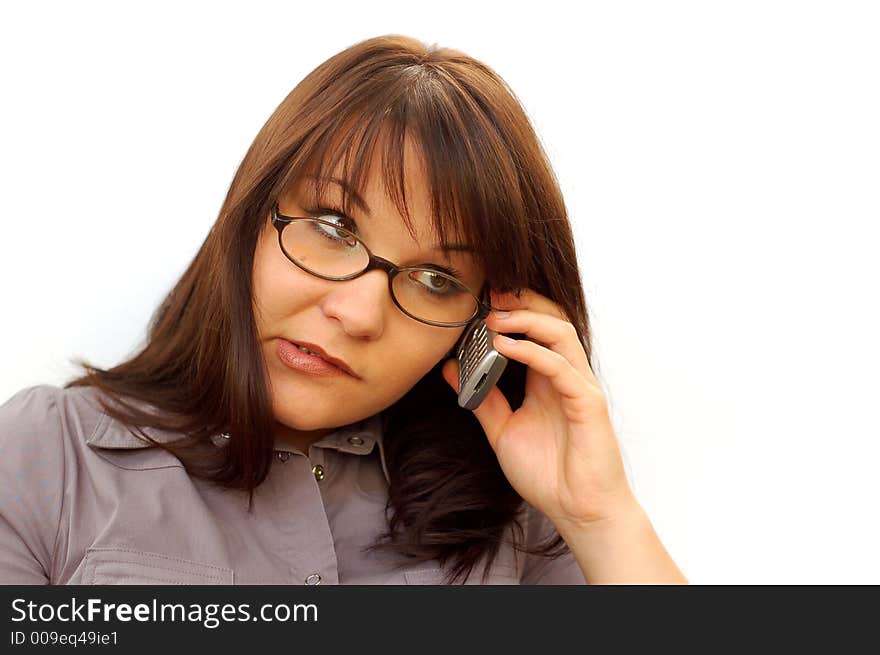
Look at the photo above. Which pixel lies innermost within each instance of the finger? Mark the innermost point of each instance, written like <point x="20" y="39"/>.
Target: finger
<point x="562" y="375"/>
<point x="554" y="333"/>
<point x="492" y="413"/>
<point x="532" y="300"/>
<point x="528" y="299"/>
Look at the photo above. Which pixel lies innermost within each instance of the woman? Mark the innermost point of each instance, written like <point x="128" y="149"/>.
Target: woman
<point x="293" y="415"/>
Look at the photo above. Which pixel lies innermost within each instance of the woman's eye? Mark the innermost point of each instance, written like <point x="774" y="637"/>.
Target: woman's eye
<point x="437" y="281"/>
<point x="340" y="221"/>
<point x="336" y="234"/>
<point x="333" y="215"/>
<point x="335" y="221"/>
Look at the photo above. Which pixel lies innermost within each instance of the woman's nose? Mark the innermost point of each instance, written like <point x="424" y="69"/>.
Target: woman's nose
<point x="360" y="305"/>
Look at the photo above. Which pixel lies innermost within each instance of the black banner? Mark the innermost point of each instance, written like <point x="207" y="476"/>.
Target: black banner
<point x="404" y="619"/>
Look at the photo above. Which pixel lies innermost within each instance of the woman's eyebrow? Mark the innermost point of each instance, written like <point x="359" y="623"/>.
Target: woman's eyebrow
<point x="455" y="247"/>
<point x="360" y="202"/>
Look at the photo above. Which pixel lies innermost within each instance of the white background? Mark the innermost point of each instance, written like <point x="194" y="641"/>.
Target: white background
<point x="719" y="161"/>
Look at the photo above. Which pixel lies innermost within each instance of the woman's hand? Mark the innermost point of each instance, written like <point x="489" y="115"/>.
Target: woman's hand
<point x="558" y="450"/>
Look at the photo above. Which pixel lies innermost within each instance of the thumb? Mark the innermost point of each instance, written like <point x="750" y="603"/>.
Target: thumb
<point x="450" y="373"/>
<point x="492" y="413"/>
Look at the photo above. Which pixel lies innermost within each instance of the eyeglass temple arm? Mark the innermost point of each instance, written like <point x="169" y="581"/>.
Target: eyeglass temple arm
<point x="483" y="302"/>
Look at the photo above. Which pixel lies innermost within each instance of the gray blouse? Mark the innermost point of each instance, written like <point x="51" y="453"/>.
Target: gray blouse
<point x="83" y="501"/>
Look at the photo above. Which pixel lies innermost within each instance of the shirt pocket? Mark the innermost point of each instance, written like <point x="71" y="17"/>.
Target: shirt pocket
<point x="123" y="566"/>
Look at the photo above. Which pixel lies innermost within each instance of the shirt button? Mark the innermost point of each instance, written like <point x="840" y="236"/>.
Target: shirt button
<point x="282" y="455"/>
<point x="318" y="471"/>
<point x="314" y="578"/>
<point x="356" y="441"/>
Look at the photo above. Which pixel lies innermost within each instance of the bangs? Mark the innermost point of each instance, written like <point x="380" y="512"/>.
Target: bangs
<point x="474" y="189"/>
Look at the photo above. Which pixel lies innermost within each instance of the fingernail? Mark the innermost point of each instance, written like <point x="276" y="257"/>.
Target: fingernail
<point x="506" y="340"/>
<point x="498" y="313"/>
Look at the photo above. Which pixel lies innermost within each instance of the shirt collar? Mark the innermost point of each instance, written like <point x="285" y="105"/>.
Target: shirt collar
<point x="357" y="438"/>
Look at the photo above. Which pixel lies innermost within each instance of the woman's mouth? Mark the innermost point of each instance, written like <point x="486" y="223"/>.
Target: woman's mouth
<point x="300" y="358"/>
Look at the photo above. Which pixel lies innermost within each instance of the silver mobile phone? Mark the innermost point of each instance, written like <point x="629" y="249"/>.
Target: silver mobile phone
<point x="479" y="365"/>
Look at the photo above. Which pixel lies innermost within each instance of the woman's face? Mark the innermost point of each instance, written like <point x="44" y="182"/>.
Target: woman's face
<point x="354" y="320"/>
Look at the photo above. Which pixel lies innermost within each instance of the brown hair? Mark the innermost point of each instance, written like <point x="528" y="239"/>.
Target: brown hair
<point x="202" y="370"/>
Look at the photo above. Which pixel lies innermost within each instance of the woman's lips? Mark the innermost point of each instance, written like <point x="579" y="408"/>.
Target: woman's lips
<point x="294" y="358"/>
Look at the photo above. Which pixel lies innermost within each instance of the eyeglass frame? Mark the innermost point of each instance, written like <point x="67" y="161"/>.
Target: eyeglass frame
<point x="280" y="221"/>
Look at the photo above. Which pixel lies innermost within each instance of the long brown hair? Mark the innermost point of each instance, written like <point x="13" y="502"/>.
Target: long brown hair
<point x="201" y="369"/>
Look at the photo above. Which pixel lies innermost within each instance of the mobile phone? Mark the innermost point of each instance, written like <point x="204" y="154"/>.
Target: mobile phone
<point x="479" y="364"/>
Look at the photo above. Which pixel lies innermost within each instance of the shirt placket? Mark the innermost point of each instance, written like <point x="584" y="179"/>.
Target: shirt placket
<point x="302" y="518"/>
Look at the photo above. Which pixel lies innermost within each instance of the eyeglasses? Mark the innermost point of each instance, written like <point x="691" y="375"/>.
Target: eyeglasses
<point x="324" y="249"/>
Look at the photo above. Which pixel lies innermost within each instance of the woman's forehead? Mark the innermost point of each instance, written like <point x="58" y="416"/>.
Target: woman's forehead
<point x="376" y="196"/>
<point x="384" y="172"/>
<point x="383" y="213"/>
<point x="390" y="177"/>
